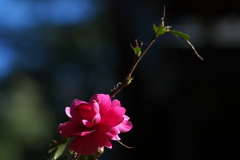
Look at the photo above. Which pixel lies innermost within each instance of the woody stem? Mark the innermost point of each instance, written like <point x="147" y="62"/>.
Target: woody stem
<point x="129" y="77"/>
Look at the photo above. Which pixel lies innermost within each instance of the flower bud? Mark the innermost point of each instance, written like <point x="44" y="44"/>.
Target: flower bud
<point x="99" y="152"/>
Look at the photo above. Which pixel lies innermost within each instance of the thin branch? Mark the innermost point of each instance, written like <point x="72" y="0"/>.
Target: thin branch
<point x="138" y="56"/>
<point x="195" y="51"/>
<point x="129" y="77"/>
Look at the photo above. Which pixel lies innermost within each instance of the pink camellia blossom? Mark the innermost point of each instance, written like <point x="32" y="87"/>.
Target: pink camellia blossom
<point x="94" y="123"/>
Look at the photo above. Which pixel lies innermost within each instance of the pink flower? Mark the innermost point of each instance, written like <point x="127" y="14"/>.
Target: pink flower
<point x="93" y="124"/>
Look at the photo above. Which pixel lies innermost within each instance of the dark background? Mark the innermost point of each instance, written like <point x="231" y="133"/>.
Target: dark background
<point x="52" y="52"/>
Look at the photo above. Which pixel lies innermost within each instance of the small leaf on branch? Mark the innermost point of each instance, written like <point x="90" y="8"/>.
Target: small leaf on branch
<point x="180" y="34"/>
<point x="159" y="30"/>
<point x="186" y="38"/>
<point x="137" y="50"/>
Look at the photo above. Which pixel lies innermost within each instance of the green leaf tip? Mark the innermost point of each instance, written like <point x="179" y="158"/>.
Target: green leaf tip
<point x="137" y="50"/>
<point x="180" y="34"/>
<point x="57" y="148"/>
<point x="186" y="38"/>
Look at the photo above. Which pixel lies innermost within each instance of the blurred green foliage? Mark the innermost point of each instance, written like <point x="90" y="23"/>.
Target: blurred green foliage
<point x="26" y="123"/>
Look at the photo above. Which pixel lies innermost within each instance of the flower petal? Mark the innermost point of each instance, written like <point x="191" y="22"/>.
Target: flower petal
<point x="88" y="145"/>
<point x="76" y="103"/>
<point x="108" y="144"/>
<point x="85" y="112"/>
<point x="116" y="102"/>
<point x="103" y="100"/>
<point x="88" y="114"/>
<point x="70" y="129"/>
<point x="116" y="138"/>
<point x="95" y="107"/>
<point x="86" y="133"/>
<point x="87" y="123"/>
<point x="73" y="106"/>
<point x="67" y="111"/>
<point x="125" y="126"/>
<point x="112" y="132"/>
<point x="112" y="117"/>
<point x="83" y="146"/>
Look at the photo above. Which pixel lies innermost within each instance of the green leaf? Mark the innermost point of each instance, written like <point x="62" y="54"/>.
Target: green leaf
<point x="137" y="51"/>
<point x="180" y="34"/>
<point x="57" y="148"/>
<point x="185" y="37"/>
<point x="155" y="28"/>
<point x="159" y="30"/>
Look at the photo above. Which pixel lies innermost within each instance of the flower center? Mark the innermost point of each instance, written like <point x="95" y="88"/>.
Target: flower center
<point x="88" y="115"/>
